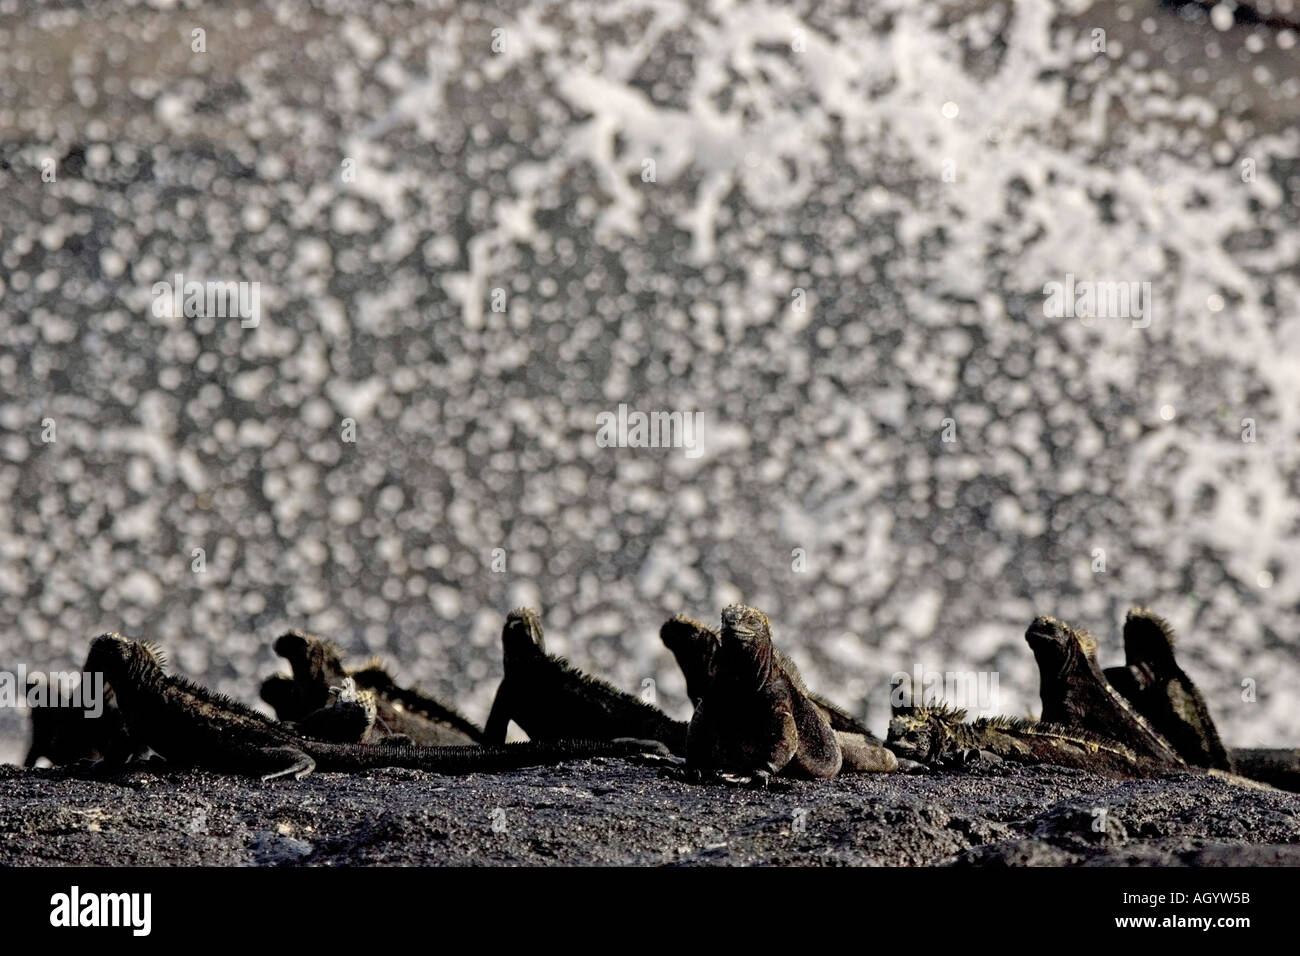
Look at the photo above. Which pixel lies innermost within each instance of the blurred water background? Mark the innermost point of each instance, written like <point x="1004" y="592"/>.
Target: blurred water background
<point x="826" y="227"/>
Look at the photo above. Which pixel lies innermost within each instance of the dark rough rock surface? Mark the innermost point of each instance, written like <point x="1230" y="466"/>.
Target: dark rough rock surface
<point x="608" y="812"/>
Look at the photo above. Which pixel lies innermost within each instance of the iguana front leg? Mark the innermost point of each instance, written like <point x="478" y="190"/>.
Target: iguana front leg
<point x="818" y="751"/>
<point x="499" y="717"/>
<point x="779" y="743"/>
<point x="281" y="692"/>
<point x="757" y="760"/>
<point x="701" y="737"/>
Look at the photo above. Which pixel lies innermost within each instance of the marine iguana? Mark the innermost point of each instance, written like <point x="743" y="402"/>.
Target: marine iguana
<point x="1163" y="694"/>
<point x="187" y="723"/>
<point x="752" y="720"/>
<point x="941" y="736"/>
<point x="350" y="716"/>
<point x="694" y="645"/>
<point x="1076" y="695"/>
<point x="339" y="713"/>
<point x="548" y="697"/>
<point x="315" y="665"/>
<point x="318" y="673"/>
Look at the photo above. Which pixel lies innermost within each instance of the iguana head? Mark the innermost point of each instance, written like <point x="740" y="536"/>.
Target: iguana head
<point x="522" y="637"/>
<point x="1148" y="639"/>
<point x="115" y="656"/>
<point x="924" y="734"/>
<point x="312" y="659"/>
<point x="281" y="693"/>
<point x="693" y="644"/>
<point x="317" y="666"/>
<point x="744" y="646"/>
<point x="912" y="734"/>
<point x="1058" y="647"/>
<point x="917" y="734"/>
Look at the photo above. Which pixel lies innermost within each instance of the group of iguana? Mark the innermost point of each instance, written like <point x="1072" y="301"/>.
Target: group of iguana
<point x="1141" y="719"/>
<point x="754" y="717"/>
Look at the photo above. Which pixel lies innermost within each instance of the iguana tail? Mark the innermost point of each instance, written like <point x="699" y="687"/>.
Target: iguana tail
<point x="461" y="760"/>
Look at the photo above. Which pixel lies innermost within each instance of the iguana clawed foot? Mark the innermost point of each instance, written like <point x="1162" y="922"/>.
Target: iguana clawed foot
<point x="296" y="763"/>
<point x="653" y="752"/>
<point x="93" y="767"/>
<point x="758" y="780"/>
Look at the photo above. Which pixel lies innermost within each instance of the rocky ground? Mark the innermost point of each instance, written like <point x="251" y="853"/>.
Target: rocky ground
<point x="615" y="813"/>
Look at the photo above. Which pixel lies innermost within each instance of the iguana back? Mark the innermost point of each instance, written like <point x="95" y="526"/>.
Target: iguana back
<point x="549" y="698"/>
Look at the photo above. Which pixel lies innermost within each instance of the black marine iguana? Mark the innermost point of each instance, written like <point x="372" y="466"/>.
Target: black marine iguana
<point x="1163" y="694"/>
<point x="318" y="671"/>
<point x="350" y="717"/>
<point x="548" y="697"/>
<point x="1161" y="691"/>
<point x="754" y="718"/>
<point x="186" y="723"/>
<point x="313" y="689"/>
<point x="695" y="644"/>
<point x="1076" y="695"/>
<point x="941" y="736"/>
